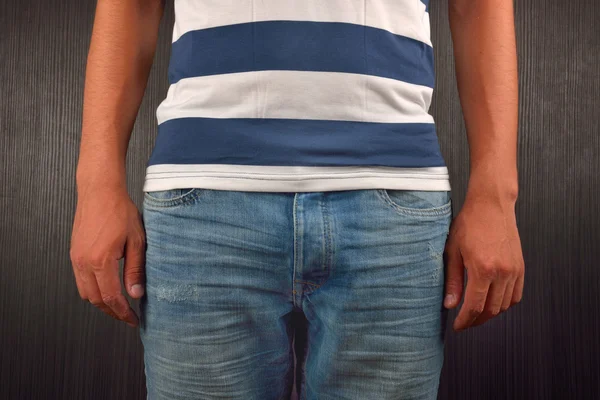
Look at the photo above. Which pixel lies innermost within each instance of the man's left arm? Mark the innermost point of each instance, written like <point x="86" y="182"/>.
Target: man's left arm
<point x="483" y="238"/>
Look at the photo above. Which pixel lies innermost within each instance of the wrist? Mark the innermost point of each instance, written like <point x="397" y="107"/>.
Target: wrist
<point x="500" y="187"/>
<point x="95" y="177"/>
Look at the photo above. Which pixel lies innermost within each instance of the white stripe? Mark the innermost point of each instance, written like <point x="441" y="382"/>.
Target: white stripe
<point x="293" y="178"/>
<point x="402" y="17"/>
<point x="297" y="94"/>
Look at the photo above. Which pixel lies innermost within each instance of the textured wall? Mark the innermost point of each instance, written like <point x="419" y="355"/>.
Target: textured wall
<point x="56" y="346"/>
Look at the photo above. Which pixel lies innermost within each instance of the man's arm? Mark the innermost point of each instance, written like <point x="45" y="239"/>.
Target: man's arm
<point x="107" y="225"/>
<point x="483" y="237"/>
<point x="119" y="60"/>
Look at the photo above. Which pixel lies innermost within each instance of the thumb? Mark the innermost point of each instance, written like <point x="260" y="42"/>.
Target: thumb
<point x="134" y="266"/>
<point x="454" y="275"/>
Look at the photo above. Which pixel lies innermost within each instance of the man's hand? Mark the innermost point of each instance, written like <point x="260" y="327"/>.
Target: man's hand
<point x="108" y="227"/>
<point x="484" y="240"/>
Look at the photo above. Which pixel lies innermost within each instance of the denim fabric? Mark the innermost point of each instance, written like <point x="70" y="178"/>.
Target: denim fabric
<point x="229" y="275"/>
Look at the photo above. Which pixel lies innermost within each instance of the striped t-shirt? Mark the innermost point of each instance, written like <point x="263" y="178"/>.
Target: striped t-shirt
<point x="291" y="96"/>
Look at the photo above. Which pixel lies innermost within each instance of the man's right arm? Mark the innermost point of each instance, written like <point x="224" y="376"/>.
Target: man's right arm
<point x="107" y="225"/>
<point x="119" y="60"/>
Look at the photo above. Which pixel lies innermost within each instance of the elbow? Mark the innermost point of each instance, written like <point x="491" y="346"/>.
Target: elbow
<point x="460" y="8"/>
<point x="459" y="11"/>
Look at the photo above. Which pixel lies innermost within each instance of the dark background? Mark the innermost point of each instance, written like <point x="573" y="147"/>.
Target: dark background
<point x="55" y="346"/>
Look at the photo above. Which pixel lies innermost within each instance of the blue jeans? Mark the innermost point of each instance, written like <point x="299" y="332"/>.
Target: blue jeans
<point x="338" y="293"/>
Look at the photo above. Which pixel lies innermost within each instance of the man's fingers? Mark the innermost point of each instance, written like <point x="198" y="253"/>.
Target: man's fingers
<point x="493" y="303"/>
<point x="93" y="293"/>
<point x="80" y="285"/>
<point x="518" y="291"/>
<point x="78" y="265"/>
<point x="133" y="269"/>
<point x="508" y="294"/>
<point x="106" y="309"/>
<point x="455" y="275"/>
<point x="474" y="303"/>
<point x="109" y="284"/>
<point x="88" y="283"/>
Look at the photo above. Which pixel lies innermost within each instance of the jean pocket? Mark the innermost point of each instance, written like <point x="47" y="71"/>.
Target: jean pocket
<point x="425" y="203"/>
<point x="171" y="197"/>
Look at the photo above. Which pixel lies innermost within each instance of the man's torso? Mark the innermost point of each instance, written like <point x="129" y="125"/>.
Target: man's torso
<point x="282" y="95"/>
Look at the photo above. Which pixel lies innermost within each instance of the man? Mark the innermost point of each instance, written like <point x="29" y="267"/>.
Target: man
<point x="297" y="172"/>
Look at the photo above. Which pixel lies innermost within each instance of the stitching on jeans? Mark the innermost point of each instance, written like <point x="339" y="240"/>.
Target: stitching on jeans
<point x="178" y="197"/>
<point x="328" y="235"/>
<point x="325" y="233"/>
<point x="435" y="256"/>
<point x="324" y="255"/>
<point x="189" y="197"/>
<point x="440" y="210"/>
<point x="308" y="283"/>
<point x="430" y="212"/>
<point x="295" y="248"/>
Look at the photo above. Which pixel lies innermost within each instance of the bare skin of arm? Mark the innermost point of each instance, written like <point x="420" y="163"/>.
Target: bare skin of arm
<point x="107" y="225"/>
<point x="483" y="238"/>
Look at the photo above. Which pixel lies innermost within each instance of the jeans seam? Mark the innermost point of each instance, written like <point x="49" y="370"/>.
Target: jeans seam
<point x="326" y="234"/>
<point x="187" y="198"/>
<point x="316" y="285"/>
<point x="431" y="212"/>
<point x="295" y="217"/>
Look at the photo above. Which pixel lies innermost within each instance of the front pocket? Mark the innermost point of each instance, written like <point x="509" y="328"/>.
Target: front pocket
<point x="425" y="203"/>
<point x="171" y="197"/>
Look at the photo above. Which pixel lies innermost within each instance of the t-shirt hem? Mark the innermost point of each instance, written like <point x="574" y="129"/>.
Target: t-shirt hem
<point x="294" y="179"/>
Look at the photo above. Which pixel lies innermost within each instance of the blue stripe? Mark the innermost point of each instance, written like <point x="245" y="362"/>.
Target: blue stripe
<point x="301" y="45"/>
<point x="259" y="141"/>
<point x="426" y="2"/>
